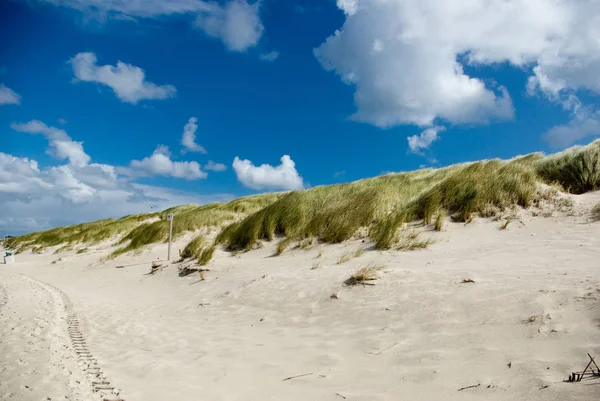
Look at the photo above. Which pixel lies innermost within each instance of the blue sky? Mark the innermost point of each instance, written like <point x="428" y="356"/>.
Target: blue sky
<point x="276" y="95"/>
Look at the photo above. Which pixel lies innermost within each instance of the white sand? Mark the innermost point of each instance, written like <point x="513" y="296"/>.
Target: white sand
<point x="419" y="333"/>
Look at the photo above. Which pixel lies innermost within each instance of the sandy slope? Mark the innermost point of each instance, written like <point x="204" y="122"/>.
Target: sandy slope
<point x="419" y="333"/>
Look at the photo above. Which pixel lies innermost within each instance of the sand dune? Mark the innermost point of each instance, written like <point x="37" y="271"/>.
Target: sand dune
<point x="527" y="320"/>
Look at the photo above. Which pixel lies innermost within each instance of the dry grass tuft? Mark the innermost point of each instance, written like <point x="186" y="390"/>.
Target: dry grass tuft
<point x="439" y="221"/>
<point x="504" y="225"/>
<point x="350" y="255"/>
<point x="283" y="245"/>
<point x="467" y="280"/>
<point x="306" y="244"/>
<point x="364" y="275"/>
<point x="315" y="266"/>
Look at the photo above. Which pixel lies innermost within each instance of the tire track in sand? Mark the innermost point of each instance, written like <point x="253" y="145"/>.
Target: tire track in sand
<point x="65" y="329"/>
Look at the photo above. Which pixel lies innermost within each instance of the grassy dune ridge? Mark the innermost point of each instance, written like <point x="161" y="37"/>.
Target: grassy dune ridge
<point x="335" y="213"/>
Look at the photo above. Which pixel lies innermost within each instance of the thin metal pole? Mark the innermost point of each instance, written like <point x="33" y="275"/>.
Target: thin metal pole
<point x="170" y="236"/>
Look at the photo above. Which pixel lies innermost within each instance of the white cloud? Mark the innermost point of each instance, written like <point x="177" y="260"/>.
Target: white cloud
<point x="585" y="122"/>
<point x="265" y="176"/>
<point x="404" y="56"/>
<point x="212" y="166"/>
<point x="188" y="140"/>
<point x="160" y="163"/>
<point x="126" y="80"/>
<point x="237" y="24"/>
<point x="61" y="145"/>
<point x="271" y="56"/>
<point x="348" y="6"/>
<point x="33" y="199"/>
<point x="418" y="143"/>
<point x="143" y="9"/>
<point x="8" y="96"/>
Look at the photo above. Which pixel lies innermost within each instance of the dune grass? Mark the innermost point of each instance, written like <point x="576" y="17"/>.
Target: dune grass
<point x="206" y="255"/>
<point x="194" y="248"/>
<point x="439" y="221"/>
<point x="335" y="213"/>
<point x="282" y="245"/>
<point x="364" y="275"/>
<point x="87" y="233"/>
<point x="350" y="255"/>
<point x="577" y="169"/>
<point x="190" y="218"/>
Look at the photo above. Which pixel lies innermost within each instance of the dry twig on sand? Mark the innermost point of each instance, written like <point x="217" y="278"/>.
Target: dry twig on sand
<point x="295" y="377"/>
<point x="473" y="386"/>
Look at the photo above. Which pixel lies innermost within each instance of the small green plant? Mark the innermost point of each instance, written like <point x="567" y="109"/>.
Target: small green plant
<point x="504" y="225"/>
<point x="439" y="221"/>
<point x="412" y="245"/>
<point x="344" y="258"/>
<point x="364" y="275"/>
<point x="320" y="253"/>
<point x="410" y="242"/>
<point x="82" y="250"/>
<point x="283" y="245"/>
<point x="350" y="255"/>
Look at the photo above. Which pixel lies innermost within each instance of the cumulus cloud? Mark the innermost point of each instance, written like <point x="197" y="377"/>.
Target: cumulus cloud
<point x="61" y="145"/>
<point x="237" y="24"/>
<point x="127" y="81"/>
<point x="271" y="56"/>
<point x="188" y="140"/>
<point x="34" y="199"/>
<point x="8" y="96"/>
<point x="212" y="166"/>
<point x="285" y="176"/>
<point x="418" y="143"/>
<point x="405" y="57"/>
<point x="160" y="163"/>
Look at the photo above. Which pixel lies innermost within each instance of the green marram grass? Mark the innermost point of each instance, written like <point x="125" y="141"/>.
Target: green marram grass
<point x="87" y="233"/>
<point x="194" y="248"/>
<point x="335" y="213"/>
<point x="137" y="231"/>
<point x="190" y="218"/>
